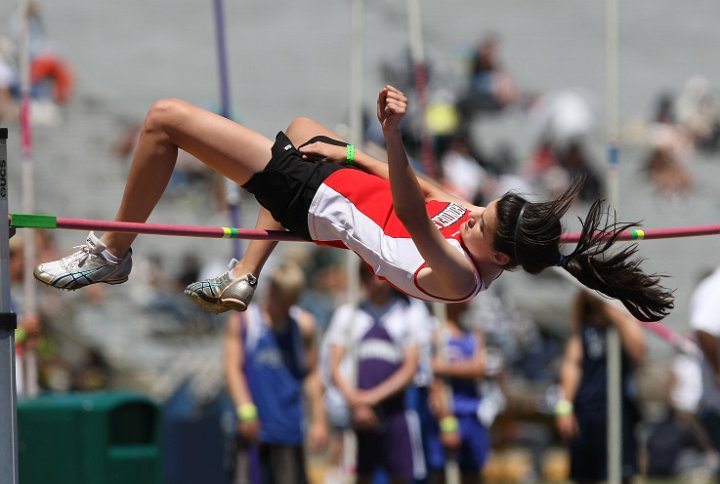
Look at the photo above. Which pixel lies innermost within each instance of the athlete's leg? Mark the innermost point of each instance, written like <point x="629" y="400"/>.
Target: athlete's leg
<point x="234" y="289"/>
<point x="258" y="251"/>
<point x="225" y="146"/>
<point x="303" y="129"/>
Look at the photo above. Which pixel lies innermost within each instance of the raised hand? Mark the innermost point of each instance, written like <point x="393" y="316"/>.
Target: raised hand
<point x="391" y="107"/>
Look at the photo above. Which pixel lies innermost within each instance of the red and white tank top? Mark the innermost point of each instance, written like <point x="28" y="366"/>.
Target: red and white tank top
<point x="354" y="210"/>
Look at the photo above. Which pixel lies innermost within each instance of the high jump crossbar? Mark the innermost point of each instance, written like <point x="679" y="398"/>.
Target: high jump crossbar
<point x="39" y="221"/>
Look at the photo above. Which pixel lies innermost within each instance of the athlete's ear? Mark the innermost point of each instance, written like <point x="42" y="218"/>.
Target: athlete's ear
<point x="501" y="258"/>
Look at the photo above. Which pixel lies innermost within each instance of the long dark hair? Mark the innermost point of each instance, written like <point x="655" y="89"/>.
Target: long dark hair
<point x="529" y="233"/>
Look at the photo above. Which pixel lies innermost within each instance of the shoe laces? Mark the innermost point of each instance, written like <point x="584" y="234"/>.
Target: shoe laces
<point x="80" y="256"/>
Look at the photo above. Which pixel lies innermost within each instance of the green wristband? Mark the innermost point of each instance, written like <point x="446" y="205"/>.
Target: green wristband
<point x="350" y="156"/>
<point x="449" y="424"/>
<point x="247" y="412"/>
<point x="563" y="407"/>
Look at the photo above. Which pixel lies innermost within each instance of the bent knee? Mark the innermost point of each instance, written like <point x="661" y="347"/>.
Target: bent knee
<point x="302" y="129"/>
<point x="300" y="123"/>
<point x="165" y="113"/>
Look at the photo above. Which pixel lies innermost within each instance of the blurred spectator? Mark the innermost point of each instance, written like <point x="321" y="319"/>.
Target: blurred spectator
<point x="698" y="111"/>
<point x="270" y="358"/>
<point x="442" y="120"/>
<point x="340" y="466"/>
<point x="381" y="337"/>
<point x="705" y="321"/>
<point x="9" y="111"/>
<point x="462" y="173"/>
<point x="581" y="413"/>
<point x="561" y="123"/>
<point x="490" y="87"/>
<point x="677" y="445"/>
<point x="418" y="393"/>
<point x="458" y="367"/>
<point x="326" y="274"/>
<point x="670" y="148"/>
<point x="51" y="77"/>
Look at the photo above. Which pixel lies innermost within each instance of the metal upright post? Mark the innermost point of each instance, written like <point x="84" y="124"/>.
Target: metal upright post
<point x="231" y="188"/>
<point x="8" y="323"/>
<point x="614" y="345"/>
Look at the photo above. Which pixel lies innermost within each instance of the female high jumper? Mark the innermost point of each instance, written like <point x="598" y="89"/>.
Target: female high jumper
<point x="424" y="241"/>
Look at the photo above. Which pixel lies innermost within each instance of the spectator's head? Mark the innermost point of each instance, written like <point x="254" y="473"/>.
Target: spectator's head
<point x="591" y="310"/>
<point x="456" y="310"/>
<point x="377" y="291"/>
<point x="287" y="283"/>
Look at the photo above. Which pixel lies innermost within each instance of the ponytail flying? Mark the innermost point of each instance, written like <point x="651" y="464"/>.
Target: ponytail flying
<point x="529" y="233"/>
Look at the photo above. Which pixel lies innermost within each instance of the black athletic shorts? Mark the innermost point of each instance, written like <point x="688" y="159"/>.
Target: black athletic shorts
<point x="288" y="183"/>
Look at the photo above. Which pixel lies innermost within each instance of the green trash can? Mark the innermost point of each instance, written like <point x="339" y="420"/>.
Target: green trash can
<point x="89" y="438"/>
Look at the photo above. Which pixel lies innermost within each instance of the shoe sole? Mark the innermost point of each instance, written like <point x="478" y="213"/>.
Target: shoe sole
<point x="112" y="282"/>
<point x="217" y="306"/>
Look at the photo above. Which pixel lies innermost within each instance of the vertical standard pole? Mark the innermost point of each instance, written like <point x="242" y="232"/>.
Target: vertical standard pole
<point x="356" y="121"/>
<point x="29" y="384"/>
<point x="417" y="53"/>
<point x="614" y="362"/>
<point x="352" y="263"/>
<point x="231" y="188"/>
<point x="8" y="323"/>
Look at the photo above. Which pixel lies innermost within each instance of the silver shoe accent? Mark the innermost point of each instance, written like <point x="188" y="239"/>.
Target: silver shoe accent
<point x="223" y="293"/>
<point x="86" y="266"/>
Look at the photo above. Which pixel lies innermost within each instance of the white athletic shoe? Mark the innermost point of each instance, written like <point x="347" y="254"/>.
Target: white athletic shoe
<point x="222" y="293"/>
<point x="89" y="265"/>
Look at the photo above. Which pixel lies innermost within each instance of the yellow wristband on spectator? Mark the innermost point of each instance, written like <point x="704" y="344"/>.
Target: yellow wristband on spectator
<point x="247" y="412"/>
<point x="20" y="336"/>
<point x="563" y="407"/>
<point x="449" y="424"/>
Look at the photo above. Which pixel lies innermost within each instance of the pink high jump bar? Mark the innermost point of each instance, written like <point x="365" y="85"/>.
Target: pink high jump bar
<point x="51" y="222"/>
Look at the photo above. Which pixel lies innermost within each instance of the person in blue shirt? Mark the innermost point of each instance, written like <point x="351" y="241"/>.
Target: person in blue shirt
<point x="458" y="368"/>
<point x="270" y="361"/>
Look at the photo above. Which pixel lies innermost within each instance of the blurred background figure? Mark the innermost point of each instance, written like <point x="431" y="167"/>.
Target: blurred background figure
<point x="698" y="111"/>
<point x="705" y="321"/>
<point x="381" y="337"/>
<point x="490" y="88"/>
<point x="678" y="447"/>
<point x="270" y="360"/>
<point x="340" y="465"/>
<point x="562" y="124"/>
<point x="52" y="80"/>
<point x="9" y="110"/>
<point x="462" y="173"/>
<point x="581" y="412"/>
<point x="459" y="365"/>
<point x="666" y="162"/>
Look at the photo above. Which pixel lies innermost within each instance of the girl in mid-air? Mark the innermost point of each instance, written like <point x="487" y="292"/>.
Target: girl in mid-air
<point x="424" y="241"/>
